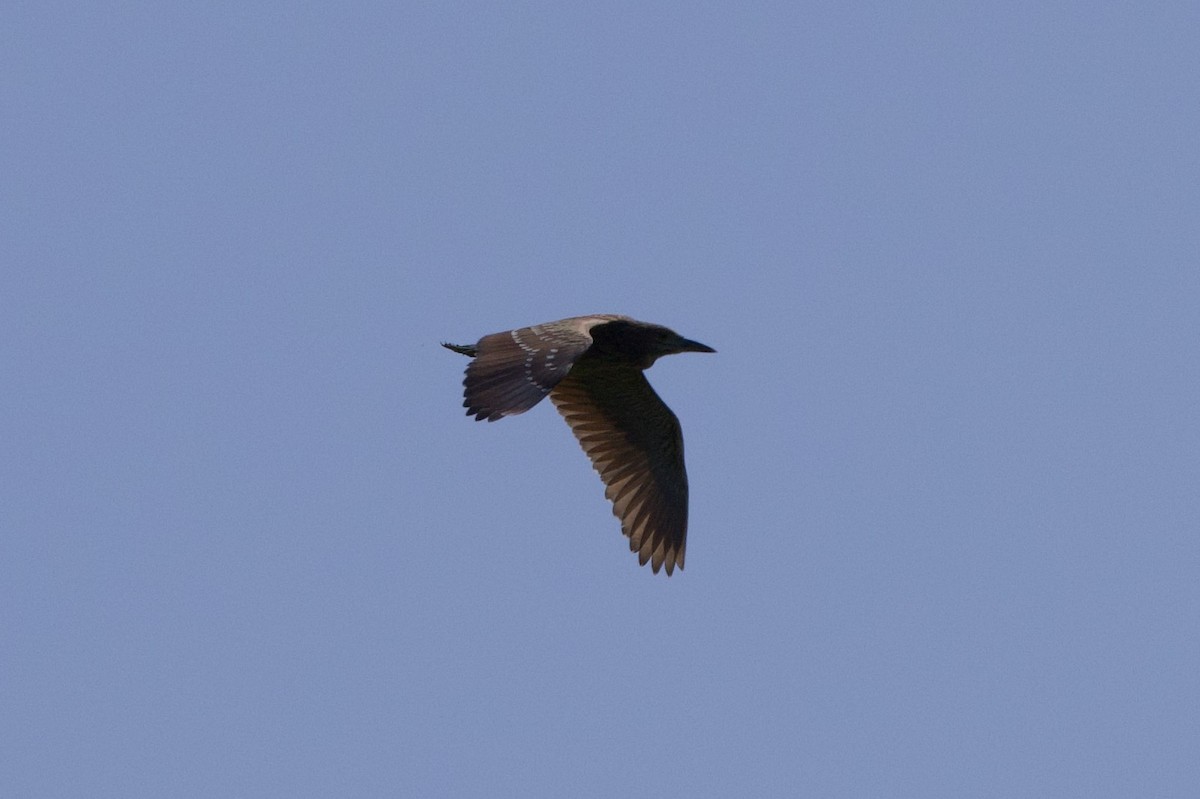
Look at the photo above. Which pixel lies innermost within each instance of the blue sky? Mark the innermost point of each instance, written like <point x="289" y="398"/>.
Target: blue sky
<point x="944" y="466"/>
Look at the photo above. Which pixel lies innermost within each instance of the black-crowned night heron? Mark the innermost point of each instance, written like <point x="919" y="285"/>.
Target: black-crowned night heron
<point x="591" y="366"/>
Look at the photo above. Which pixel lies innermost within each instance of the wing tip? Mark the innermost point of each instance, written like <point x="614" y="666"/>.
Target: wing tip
<point x="663" y="557"/>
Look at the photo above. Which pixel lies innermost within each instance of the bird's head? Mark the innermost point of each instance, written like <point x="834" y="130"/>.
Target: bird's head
<point x="643" y="343"/>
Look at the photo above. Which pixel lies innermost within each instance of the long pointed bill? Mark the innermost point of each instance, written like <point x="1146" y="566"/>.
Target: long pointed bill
<point x="687" y="345"/>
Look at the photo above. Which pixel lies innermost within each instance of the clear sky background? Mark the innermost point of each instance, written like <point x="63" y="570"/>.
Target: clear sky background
<point x="945" y="531"/>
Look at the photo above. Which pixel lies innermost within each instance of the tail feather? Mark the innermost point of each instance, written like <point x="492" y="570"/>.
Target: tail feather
<point x="464" y="349"/>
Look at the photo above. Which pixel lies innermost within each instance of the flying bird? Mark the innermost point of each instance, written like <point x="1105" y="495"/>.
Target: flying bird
<point x="592" y="368"/>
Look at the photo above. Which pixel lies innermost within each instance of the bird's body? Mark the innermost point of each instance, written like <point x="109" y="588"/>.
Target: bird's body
<point x="591" y="368"/>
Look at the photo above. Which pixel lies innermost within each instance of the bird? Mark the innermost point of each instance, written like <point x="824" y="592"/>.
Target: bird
<point x="592" y="369"/>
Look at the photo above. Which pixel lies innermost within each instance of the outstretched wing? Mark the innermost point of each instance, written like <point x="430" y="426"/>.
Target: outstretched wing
<point x="635" y="443"/>
<point x="514" y="370"/>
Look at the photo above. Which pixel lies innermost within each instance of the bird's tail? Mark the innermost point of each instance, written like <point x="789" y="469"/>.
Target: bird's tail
<point x="461" y="348"/>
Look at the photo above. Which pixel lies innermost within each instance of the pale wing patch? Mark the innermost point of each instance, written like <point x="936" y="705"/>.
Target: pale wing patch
<point x="514" y="370"/>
